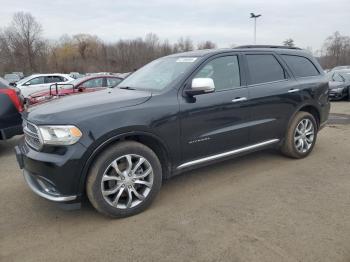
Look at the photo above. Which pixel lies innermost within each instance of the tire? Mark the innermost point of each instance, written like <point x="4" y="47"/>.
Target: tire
<point x="112" y="171"/>
<point x="291" y="146"/>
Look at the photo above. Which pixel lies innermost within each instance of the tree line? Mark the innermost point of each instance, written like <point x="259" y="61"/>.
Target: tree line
<point x="23" y="48"/>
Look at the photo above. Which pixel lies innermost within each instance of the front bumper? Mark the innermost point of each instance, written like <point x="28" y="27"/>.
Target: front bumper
<point x="336" y="94"/>
<point x="53" y="176"/>
<point x="44" y="189"/>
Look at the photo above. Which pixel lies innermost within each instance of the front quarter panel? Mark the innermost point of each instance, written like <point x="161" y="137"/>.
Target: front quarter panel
<point x="142" y="119"/>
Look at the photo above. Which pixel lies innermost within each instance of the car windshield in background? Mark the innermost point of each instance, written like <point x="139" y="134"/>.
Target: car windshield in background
<point x="76" y="81"/>
<point x="22" y="81"/>
<point x="158" y="74"/>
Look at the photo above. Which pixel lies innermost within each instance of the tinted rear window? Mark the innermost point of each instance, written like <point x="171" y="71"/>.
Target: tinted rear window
<point x="264" y="68"/>
<point x="301" y="66"/>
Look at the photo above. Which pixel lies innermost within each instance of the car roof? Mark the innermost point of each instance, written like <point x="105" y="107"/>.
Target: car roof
<point x="246" y="48"/>
<point x="86" y="78"/>
<point x="57" y="74"/>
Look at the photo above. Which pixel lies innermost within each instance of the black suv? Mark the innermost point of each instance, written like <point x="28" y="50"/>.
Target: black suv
<point x="178" y="112"/>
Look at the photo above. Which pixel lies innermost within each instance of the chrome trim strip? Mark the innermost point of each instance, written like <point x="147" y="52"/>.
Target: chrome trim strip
<point x="240" y="99"/>
<point x="293" y="90"/>
<point x="229" y="153"/>
<point x="35" y="188"/>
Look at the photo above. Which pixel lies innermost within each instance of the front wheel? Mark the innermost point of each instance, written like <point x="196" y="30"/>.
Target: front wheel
<point x="301" y="136"/>
<point x="124" y="179"/>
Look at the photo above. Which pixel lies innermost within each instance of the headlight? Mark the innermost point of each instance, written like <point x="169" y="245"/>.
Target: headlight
<point x="59" y="135"/>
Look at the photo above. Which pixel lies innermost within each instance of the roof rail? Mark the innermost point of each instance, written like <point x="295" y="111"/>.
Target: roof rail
<point x="269" y="46"/>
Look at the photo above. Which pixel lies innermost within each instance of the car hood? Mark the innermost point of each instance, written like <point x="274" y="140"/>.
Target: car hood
<point x="72" y="109"/>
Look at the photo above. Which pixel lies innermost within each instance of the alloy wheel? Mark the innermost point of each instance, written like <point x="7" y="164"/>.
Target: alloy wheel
<point x="127" y="181"/>
<point x="304" y="135"/>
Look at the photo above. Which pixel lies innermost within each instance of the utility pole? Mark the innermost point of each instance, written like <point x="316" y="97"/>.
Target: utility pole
<point x="252" y="15"/>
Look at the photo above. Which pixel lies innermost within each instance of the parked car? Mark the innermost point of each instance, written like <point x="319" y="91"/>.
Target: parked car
<point x="10" y="111"/>
<point x="178" y="112"/>
<point x="339" y="84"/>
<point x="78" y="86"/>
<point x="40" y="82"/>
<point x="340" y="67"/>
<point x="20" y="74"/>
<point x="76" y="75"/>
<point x="12" y="78"/>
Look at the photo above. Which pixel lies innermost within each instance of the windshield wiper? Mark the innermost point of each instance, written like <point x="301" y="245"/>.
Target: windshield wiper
<point x="127" y="87"/>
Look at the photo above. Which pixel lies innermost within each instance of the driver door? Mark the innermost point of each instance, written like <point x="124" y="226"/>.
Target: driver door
<point x="216" y="122"/>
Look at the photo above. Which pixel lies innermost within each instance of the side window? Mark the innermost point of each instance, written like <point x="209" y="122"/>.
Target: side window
<point x="36" y="81"/>
<point x="301" y="66"/>
<point x="112" y="82"/>
<point x="223" y="70"/>
<point x="96" y="82"/>
<point x="337" y="78"/>
<point x="264" y="68"/>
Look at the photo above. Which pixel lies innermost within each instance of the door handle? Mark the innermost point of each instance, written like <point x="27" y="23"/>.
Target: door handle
<point x="239" y="99"/>
<point x="293" y="90"/>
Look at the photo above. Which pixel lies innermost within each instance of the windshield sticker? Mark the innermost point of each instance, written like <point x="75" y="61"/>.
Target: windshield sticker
<point x="186" y="60"/>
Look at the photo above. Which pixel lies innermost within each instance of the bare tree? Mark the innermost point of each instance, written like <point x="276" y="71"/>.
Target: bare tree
<point x="289" y="42"/>
<point x="336" y="51"/>
<point x="24" y="39"/>
<point x="206" y="45"/>
<point x="183" y="45"/>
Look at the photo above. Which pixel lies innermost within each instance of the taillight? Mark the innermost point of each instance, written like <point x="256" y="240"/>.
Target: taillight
<point x="14" y="98"/>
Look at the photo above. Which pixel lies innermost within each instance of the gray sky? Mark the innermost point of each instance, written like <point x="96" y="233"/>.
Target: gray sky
<point x="225" y="22"/>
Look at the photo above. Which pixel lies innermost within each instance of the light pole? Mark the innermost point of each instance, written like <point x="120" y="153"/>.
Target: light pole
<point x="252" y="15"/>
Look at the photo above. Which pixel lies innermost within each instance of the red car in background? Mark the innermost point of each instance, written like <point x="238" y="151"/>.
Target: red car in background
<point x="11" y="106"/>
<point x="80" y="85"/>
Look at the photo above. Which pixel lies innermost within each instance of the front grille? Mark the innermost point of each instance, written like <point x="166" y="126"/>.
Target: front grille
<point x="31" y="135"/>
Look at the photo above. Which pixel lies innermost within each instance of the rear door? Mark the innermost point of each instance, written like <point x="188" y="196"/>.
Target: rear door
<point x="273" y="93"/>
<point x="216" y="122"/>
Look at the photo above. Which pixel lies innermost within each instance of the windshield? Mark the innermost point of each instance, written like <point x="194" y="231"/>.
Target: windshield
<point x="77" y="81"/>
<point x="22" y="81"/>
<point x="158" y="74"/>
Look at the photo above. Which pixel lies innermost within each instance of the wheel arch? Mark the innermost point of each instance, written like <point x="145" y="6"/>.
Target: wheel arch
<point x="314" y="112"/>
<point x="310" y="108"/>
<point x="148" y="139"/>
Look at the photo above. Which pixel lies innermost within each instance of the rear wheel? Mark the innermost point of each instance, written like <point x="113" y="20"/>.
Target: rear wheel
<point x="301" y="136"/>
<point x="124" y="180"/>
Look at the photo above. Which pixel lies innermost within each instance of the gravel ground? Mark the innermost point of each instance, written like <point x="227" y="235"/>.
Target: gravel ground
<point x="261" y="207"/>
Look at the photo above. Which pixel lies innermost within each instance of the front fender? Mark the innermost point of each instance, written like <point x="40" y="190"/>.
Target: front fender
<point x="102" y="143"/>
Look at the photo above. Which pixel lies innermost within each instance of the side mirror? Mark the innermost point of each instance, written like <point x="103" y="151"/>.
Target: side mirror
<point x="201" y="86"/>
<point x="13" y="84"/>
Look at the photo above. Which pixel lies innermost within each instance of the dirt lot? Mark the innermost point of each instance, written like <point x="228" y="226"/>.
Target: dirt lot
<point x="261" y="207"/>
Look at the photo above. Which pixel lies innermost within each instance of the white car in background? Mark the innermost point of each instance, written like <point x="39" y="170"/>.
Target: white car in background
<point x="41" y="82"/>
